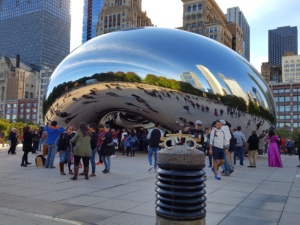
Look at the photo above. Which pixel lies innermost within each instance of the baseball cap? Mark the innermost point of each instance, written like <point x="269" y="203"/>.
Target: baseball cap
<point x="54" y="123"/>
<point x="223" y="121"/>
<point x="13" y="129"/>
<point x="198" y="122"/>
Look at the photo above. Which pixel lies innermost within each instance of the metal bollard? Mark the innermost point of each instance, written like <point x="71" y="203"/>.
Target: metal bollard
<point x="180" y="193"/>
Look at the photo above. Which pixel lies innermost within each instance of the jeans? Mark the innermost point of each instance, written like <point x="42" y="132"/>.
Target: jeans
<point x="40" y="144"/>
<point x="152" y="151"/>
<point x="239" y="151"/>
<point x="65" y="156"/>
<point x="227" y="166"/>
<point x="106" y="160"/>
<point x="51" y="155"/>
<point x="92" y="159"/>
<point x="35" y="147"/>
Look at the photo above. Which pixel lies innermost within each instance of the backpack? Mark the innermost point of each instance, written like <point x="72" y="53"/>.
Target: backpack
<point x="232" y="143"/>
<point x="133" y="140"/>
<point x="40" y="161"/>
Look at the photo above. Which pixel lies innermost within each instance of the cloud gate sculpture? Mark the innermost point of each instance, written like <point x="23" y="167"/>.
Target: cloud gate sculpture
<point x="135" y="77"/>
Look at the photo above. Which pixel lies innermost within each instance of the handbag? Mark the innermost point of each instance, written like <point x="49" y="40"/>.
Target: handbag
<point x="111" y="143"/>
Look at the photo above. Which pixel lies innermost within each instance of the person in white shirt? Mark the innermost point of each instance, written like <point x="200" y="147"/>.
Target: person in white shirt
<point x="217" y="143"/>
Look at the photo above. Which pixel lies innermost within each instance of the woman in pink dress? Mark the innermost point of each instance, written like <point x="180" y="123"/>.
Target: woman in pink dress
<point x="273" y="150"/>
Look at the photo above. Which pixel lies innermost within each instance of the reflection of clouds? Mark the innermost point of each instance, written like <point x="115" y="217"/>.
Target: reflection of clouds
<point x="128" y="53"/>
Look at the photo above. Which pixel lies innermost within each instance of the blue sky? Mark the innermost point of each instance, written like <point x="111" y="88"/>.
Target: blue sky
<point x="262" y="15"/>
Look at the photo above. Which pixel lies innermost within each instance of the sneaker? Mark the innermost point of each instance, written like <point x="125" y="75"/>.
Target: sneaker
<point x="298" y="166"/>
<point x="209" y="166"/>
<point x="231" y="171"/>
<point x="113" y="156"/>
<point x="217" y="177"/>
<point x="225" y="174"/>
<point x="99" y="163"/>
<point x="150" y="168"/>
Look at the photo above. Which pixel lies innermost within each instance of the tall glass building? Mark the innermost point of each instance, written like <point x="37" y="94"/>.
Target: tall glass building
<point x="91" y="10"/>
<point x="37" y="30"/>
<point x="281" y="40"/>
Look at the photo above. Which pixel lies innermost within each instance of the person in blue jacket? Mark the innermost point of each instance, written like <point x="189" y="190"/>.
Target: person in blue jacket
<point x="53" y="134"/>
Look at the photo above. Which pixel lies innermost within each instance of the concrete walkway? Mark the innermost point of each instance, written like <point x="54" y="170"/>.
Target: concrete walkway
<point x="126" y="196"/>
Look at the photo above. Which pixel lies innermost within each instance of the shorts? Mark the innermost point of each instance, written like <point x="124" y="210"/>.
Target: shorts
<point x="218" y="153"/>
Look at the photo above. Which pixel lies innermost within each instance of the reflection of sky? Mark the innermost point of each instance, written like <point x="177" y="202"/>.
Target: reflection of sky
<point x="158" y="51"/>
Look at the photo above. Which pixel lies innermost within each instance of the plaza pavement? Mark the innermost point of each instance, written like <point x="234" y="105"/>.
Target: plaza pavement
<point x="126" y="196"/>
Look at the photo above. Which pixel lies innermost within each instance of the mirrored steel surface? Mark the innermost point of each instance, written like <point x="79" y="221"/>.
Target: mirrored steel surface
<point x="183" y="56"/>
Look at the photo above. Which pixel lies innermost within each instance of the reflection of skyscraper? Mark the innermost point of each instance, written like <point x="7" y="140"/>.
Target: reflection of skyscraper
<point x="192" y="79"/>
<point x="266" y="93"/>
<point x="258" y="97"/>
<point x="91" y="10"/>
<point x="211" y="80"/>
<point x="234" y="87"/>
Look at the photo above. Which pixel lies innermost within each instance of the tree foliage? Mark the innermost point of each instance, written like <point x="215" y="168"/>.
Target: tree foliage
<point x="6" y="126"/>
<point x="229" y="100"/>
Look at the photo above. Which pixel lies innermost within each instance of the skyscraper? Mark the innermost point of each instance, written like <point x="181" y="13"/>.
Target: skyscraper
<point x="37" y="30"/>
<point x="206" y="18"/>
<point x="118" y="15"/>
<point x="281" y="40"/>
<point x="235" y="15"/>
<point x="91" y="10"/>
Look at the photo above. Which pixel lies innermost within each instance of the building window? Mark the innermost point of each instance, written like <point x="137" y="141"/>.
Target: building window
<point x="188" y="18"/>
<point x="194" y="7"/>
<point x="28" y="104"/>
<point x="200" y="24"/>
<point x="194" y="25"/>
<point x="215" y="36"/>
<point x="287" y="99"/>
<point x="200" y="31"/>
<point x="8" y="106"/>
<point x="199" y="6"/>
<point x="199" y="16"/>
<point x="34" y="104"/>
<point x="188" y="26"/>
<point x="189" y="8"/>
<point x="22" y="105"/>
<point x="194" y="17"/>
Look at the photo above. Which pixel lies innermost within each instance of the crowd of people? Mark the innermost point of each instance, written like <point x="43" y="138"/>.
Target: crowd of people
<point x="223" y="145"/>
<point x="81" y="147"/>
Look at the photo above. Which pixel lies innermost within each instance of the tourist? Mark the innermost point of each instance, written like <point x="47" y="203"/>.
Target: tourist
<point x="27" y="145"/>
<point x="153" y="137"/>
<point x="82" y="149"/>
<point x="53" y="133"/>
<point x="132" y="139"/>
<point x="64" y="148"/>
<point x="217" y="143"/>
<point x="13" y="138"/>
<point x="239" y="148"/>
<point x="107" y="148"/>
<point x="197" y="132"/>
<point x="253" y="142"/>
<point x="94" y="141"/>
<point x="298" y="150"/>
<point x="101" y="133"/>
<point x="274" y="158"/>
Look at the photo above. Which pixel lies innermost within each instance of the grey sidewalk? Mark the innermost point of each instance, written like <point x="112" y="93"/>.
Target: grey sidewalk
<point x="126" y="196"/>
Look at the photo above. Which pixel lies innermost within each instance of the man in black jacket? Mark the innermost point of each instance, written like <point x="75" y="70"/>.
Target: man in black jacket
<point x="197" y="132"/>
<point x="153" y="136"/>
